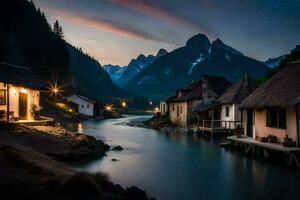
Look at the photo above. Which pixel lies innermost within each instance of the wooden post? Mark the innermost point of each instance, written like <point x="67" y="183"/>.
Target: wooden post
<point x="242" y="113"/>
<point x="212" y="122"/>
<point x="7" y="102"/>
<point x="297" y="124"/>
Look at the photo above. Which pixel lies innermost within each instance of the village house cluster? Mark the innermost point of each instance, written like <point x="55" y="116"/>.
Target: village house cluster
<point x="266" y="116"/>
<point x="20" y="94"/>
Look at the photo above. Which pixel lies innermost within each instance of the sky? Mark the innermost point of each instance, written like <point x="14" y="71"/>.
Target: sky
<point x="115" y="31"/>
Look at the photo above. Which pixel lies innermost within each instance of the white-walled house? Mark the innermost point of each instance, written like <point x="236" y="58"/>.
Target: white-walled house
<point x="274" y="107"/>
<point x="85" y="105"/>
<point x="183" y="106"/>
<point x="19" y="92"/>
<point x="231" y="115"/>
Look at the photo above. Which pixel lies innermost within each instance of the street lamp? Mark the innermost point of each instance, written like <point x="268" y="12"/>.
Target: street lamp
<point x="54" y="90"/>
<point x="108" y="107"/>
<point x="124" y="104"/>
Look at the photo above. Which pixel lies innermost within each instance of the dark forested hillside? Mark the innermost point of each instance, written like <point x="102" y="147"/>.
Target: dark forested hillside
<point x="26" y="39"/>
<point x="89" y="78"/>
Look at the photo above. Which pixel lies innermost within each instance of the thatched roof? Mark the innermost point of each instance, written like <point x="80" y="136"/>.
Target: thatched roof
<point x="216" y="84"/>
<point x="239" y="91"/>
<point x="206" y="106"/>
<point x="20" y="76"/>
<point x="282" y="90"/>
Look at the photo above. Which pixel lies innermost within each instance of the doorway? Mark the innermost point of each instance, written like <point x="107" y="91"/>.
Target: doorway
<point x="250" y="123"/>
<point x="22" y="106"/>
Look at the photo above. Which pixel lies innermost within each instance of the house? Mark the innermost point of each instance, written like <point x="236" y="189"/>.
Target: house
<point x="231" y="115"/>
<point x="274" y="107"/>
<point x="85" y="105"/>
<point x="164" y="106"/>
<point x="19" y="92"/>
<point x="181" y="107"/>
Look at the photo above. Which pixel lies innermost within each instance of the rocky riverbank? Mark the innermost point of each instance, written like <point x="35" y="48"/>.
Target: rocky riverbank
<point x="163" y="124"/>
<point x="30" y="166"/>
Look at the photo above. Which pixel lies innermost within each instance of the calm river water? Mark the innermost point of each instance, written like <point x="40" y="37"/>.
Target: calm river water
<point x="179" y="167"/>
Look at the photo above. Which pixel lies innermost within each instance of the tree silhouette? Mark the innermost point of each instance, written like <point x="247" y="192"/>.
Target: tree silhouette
<point x="57" y="29"/>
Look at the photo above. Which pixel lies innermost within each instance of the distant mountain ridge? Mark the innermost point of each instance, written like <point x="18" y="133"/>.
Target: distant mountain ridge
<point x="274" y="62"/>
<point x="197" y="58"/>
<point x="122" y="75"/>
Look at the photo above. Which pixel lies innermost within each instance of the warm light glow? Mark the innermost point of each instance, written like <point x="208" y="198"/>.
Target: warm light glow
<point x="13" y="91"/>
<point x="108" y="107"/>
<point x="124" y="104"/>
<point x="61" y="105"/>
<point x="70" y="110"/>
<point x="156" y="109"/>
<point x="54" y="89"/>
<point x="23" y="90"/>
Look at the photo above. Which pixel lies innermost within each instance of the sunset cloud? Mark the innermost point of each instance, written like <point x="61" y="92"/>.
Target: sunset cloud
<point x="153" y="11"/>
<point x="95" y="23"/>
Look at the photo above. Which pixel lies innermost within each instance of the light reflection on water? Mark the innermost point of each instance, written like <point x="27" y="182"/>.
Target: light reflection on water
<point x="176" y="167"/>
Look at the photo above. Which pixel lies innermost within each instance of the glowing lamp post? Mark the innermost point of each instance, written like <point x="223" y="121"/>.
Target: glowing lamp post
<point x="108" y="107"/>
<point x="124" y="104"/>
<point x="54" y="90"/>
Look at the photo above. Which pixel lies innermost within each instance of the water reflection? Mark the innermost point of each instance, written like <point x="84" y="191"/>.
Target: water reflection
<point x="176" y="167"/>
<point x="79" y="128"/>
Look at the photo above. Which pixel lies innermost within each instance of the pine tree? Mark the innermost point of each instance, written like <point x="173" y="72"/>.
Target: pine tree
<point x="57" y="29"/>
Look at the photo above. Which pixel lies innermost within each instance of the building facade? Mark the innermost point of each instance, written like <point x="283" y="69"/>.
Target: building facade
<point x="231" y="115"/>
<point x="19" y="93"/>
<point x="85" y="105"/>
<point x="182" y="106"/>
<point x="273" y="108"/>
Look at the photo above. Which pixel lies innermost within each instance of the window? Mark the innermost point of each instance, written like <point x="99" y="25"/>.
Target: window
<point x="82" y="106"/>
<point x="180" y="109"/>
<point x="164" y="108"/>
<point x="88" y="105"/>
<point x="2" y="97"/>
<point x="276" y="117"/>
<point x="227" y="111"/>
<point x="177" y="111"/>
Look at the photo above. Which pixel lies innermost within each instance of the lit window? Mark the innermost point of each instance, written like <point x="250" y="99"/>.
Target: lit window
<point x="2" y="97"/>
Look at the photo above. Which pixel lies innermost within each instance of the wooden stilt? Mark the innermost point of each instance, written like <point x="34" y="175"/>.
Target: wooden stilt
<point x="7" y="102"/>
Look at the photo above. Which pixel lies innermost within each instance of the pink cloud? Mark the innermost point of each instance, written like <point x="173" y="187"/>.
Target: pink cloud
<point x="150" y="10"/>
<point x="96" y="23"/>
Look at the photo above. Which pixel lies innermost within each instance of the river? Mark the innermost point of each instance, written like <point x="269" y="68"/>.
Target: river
<point x="179" y="167"/>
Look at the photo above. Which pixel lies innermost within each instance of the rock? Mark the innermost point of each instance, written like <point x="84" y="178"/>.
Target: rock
<point x="136" y="194"/>
<point x="81" y="185"/>
<point x="114" y="159"/>
<point x="117" y="148"/>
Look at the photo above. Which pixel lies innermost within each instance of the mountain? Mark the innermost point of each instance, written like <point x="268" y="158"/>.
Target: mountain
<point x="274" y="62"/>
<point x="114" y="71"/>
<point x="197" y="58"/>
<point x="89" y="78"/>
<point x="26" y="39"/>
<point x="122" y="75"/>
